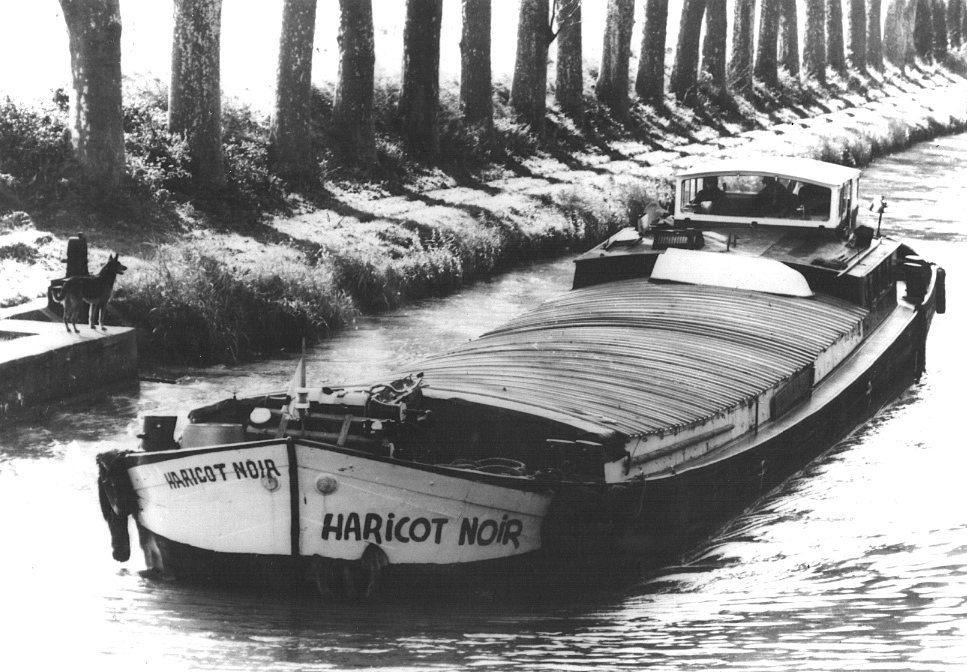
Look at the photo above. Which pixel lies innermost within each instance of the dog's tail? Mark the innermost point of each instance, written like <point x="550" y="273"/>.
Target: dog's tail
<point x="58" y="294"/>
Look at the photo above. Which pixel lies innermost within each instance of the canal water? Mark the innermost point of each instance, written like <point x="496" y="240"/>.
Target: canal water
<point x="858" y="563"/>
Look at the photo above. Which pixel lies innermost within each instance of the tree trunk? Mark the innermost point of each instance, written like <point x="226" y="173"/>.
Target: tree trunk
<point x="743" y="47"/>
<point x="476" y="85"/>
<point x="814" y="47"/>
<point x="874" y="42"/>
<point x="716" y="37"/>
<point x="923" y="30"/>
<point x="834" y="36"/>
<point x="940" y="43"/>
<point x="195" y="103"/>
<point x="685" y="71"/>
<point x="419" y="108"/>
<point x="650" y="82"/>
<point x="955" y="11"/>
<point x="789" y="37"/>
<point x="570" y="61"/>
<point x="766" y="63"/>
<point x="898" y="32"/>
<point x="893" y="41"/>
<point x="528" y="92"/>
<point x="290" y="152"/>
<point x="612" y="85"/>
<point x="353" y="129"/>
<point x="97" y="130"/>
<point x="856" y="54"/>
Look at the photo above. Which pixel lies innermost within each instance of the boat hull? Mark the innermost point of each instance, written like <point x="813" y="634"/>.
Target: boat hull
<point x="290" y="513"/>
<point x="655" y="520"/>
<point x="265" y="511"/>
<point x="532" y="573"/>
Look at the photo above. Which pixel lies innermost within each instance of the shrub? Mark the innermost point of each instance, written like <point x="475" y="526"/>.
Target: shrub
<point x="19" y="251"/>
<point x="35" y="147"/>
<point x="380" y="277"/>
<point x="515" y="138"/>
<point x="196" y="302"/>
<point x="159" y="160"/>
<point x="596" y="215"/>
<point x="156" y="159"/>
<point x="459" y="143"/>
<point x="252" y="185"/>
<point x="386" y="99"/>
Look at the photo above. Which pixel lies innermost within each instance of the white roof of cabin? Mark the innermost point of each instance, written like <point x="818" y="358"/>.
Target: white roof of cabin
<point x="733" y="271"/>
<point x="807" y="170"/>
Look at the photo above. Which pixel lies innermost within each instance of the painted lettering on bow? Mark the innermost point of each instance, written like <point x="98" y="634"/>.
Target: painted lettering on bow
<point x="375" y="528"/>
<point x="212" y="473"/>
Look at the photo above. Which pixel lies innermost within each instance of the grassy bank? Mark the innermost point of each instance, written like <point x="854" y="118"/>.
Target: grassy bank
<point x="227" y="276"/>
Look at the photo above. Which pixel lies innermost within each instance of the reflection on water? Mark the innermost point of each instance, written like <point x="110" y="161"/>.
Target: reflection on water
<point x="860" y="562"/>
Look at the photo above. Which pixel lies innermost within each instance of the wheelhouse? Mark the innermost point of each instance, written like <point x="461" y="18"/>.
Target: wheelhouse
<point x="774" y="191"/>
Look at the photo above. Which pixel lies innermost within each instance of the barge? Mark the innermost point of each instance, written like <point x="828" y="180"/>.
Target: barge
<point x="700" y="359"/>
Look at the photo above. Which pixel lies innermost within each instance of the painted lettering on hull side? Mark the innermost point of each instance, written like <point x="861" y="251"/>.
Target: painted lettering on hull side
<point x="488" y="531"/>
<point x="371" y="527"/>
<point x="375" y="528"/>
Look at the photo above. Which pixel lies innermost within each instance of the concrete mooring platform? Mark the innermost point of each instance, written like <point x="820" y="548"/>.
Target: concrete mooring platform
<point x="40" y="363"/>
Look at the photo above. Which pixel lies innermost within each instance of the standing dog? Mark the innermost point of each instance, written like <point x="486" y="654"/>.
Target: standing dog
<point x="93" y="289"/>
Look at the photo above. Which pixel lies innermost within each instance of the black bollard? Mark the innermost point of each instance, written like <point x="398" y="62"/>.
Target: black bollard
<point x="77" y="256"/>
<point x="76" y="265"/>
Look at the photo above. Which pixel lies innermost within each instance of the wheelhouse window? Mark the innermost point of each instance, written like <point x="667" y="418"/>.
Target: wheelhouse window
<point x="763" y="196"/>
<point x="845" y="201"/>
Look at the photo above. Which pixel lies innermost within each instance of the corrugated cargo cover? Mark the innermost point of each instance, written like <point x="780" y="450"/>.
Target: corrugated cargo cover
<point x="638" y="357"/>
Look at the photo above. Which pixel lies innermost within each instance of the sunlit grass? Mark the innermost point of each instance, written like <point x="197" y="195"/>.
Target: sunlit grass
<point x="201" y="303"/>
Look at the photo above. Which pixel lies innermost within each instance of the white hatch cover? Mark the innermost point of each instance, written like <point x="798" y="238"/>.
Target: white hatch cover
<point x="730" y="270"/>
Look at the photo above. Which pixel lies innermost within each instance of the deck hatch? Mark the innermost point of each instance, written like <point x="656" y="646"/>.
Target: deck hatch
<point x="637" y="357"/>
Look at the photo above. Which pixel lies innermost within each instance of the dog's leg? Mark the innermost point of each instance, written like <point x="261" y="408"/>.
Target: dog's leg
<point x="102" y="309"/>
<point x="70" y="306"/>
<point x="93" y="316"/>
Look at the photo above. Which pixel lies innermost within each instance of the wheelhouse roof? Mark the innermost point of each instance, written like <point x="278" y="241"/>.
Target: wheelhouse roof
<point x="807" y="170"/>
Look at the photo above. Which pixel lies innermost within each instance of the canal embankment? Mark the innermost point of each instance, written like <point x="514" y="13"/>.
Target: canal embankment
<point x="204" y="293"/>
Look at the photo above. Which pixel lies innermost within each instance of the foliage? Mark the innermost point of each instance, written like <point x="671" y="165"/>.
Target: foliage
<point x="197" y="302"/>
<point x="35" y="149"/>
<point x="252" y="186"/>
<point x="956" y="61"/>
<point x="159" y="161"/>
<point x="597" y="214"/>
<point x="459" y="144"/>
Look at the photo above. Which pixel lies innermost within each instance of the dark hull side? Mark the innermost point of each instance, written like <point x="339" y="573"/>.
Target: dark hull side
<point x="350" y="580"/>
<point x="649" y="524"/>
<point x="593" y="534"/>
